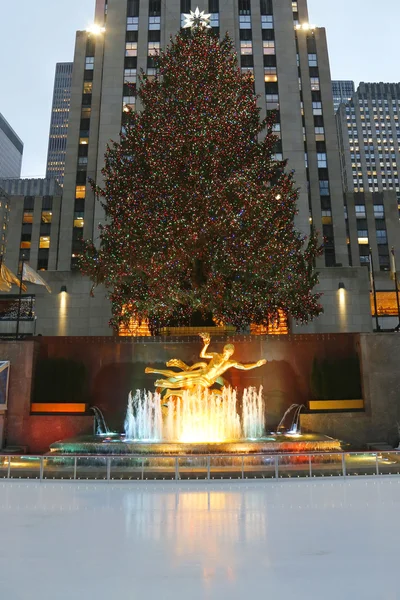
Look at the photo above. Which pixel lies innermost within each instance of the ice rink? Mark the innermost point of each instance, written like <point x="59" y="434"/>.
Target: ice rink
<point x="305" y="539"/>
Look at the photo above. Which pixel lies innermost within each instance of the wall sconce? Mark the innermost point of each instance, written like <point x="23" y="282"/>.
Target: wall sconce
<point x="341" y="286"/>
<point x="63" y="289"/>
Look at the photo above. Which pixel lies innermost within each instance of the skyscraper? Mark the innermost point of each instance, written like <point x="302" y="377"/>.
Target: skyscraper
<point x="369" y="140"/>
<point x="342" y="92"/>
<point x="11" y="150"/>
<point x="59" y="122"/>
<point x="289" y="60"/>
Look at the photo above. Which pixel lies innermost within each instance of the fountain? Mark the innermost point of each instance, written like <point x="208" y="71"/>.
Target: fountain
<point x="193" y="411"/>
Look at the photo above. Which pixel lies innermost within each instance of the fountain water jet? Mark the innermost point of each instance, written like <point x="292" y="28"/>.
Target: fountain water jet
<point x="199" y="416"/>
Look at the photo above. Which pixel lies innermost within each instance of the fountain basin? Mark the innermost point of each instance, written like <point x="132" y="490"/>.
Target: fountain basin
<point x="115" y="444"/>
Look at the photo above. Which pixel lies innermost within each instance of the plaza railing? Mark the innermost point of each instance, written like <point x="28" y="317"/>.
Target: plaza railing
<point x="204" y="467"/>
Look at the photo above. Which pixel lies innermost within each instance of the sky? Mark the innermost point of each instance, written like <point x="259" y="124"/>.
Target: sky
<point x="35" y="36"/>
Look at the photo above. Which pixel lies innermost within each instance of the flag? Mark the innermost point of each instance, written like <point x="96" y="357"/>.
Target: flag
<point x="7" y="278"/>
<point x="28" y="274"/>
<point x="393" y="269"/>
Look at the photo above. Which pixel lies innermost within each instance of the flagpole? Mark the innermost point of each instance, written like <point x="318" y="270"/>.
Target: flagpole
<point x="20" y="297"/>
<point x="374" y="290"/>
<point x="397" y="296"/>
<point x="393" y="269"/>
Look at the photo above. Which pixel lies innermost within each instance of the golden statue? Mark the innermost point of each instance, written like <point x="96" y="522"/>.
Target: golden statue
<point x="201" y="374"/>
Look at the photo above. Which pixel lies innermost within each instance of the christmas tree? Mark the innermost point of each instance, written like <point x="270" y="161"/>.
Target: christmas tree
<point x="199" y="215"/>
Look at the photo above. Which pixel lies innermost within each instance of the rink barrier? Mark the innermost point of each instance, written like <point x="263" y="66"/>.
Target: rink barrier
<point x="195" y="467"/>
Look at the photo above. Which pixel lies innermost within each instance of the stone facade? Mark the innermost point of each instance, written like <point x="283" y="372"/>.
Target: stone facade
<point x="380" y="361"/>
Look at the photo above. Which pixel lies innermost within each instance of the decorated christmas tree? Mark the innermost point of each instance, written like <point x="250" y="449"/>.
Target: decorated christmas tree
<point x="199" y="215"/>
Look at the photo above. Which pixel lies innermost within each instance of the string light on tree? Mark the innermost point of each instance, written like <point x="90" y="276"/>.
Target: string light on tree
<point x="197" y="19"/>
<point x="200" y="217"/>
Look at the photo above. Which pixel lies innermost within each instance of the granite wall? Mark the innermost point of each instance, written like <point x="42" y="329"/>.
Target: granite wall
<point x="380" y="361"/>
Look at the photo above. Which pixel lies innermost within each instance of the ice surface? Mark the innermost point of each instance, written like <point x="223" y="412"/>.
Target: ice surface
<point x="306" y="539"/>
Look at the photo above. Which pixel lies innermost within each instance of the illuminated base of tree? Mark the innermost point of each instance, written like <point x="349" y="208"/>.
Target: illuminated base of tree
<point x="134" y="329"/>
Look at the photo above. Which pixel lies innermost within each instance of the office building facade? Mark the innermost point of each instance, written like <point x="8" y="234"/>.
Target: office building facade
<point x="59" y="122"/>
<point x="369" y="142"/>
<point x="342" y="91"/>
<point x="11" y="150"/>
<point x="34" y="217"/>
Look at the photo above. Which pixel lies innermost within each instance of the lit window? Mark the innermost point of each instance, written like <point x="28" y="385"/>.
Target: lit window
<point x="47" y="216"/>
<point x="80" y="191"/>
<point x="87" y="87"/>
<point x="28" y="216"/>
<point x="25" y="245"/>
<point x="131" y="49"/>
<point x="79" y="220"/>
<point x="44" y="241"/>
<point x="315" y="86"/>
<point x="270" y="74"/>
<point x="153" y="48"/>
<point x="85" y="113"/>
<point x="268" y="46"/>
<point x="246" y="47"/>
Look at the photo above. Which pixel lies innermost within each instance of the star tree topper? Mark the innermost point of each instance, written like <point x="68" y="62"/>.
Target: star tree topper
<point x="197" y="19"/>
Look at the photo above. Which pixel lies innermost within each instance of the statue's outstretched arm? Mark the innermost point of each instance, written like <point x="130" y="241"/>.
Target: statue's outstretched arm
<point x="206" y="340"/>
<point x="249" y="366"/>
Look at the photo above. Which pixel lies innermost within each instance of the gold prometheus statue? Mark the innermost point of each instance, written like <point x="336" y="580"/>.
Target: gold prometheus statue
<point x="201" y="374"/>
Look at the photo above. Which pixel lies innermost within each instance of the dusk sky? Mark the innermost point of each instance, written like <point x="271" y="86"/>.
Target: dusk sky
<point x="35" y="35"/>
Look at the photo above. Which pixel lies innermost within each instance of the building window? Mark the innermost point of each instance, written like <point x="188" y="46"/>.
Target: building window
<point x="80" y="191"/>
<point x="322" y="160"/>
<point x="381" y="237"/>
<point x="317" y="108"/>
<point x="315" y="86"/>
<point x="132" y="24"/>
<point x="245" y="22"/>
<point x="154" y="23"/>
<point x="360" y="211"/>
<point x="246" y="47"/>
<point x="47" y="216"/>
<point x="27" y="216"/>
<point x="312" y="60"/>
<point x="267" y="22"/>
<point x="44" y="241"/>
<point x="268" y="46"/>
<point x="89" y="63"/>
<point x="153" y="48"/>
<point x="324" y="188"/>
<point x="131" y="49"/>
<point x="379" y="211"/>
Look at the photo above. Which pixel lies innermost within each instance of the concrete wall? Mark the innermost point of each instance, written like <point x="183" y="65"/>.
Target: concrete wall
<point x="345" y="310"/>
<point x="76" y="313"/>
<point x="71" y="313"/>
<point x="380" y="360"/>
